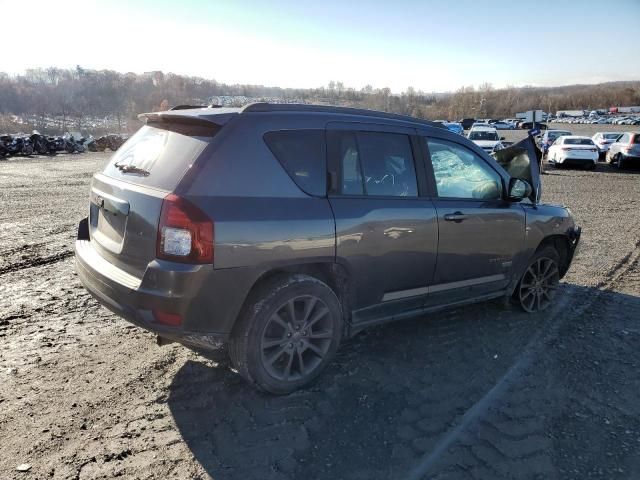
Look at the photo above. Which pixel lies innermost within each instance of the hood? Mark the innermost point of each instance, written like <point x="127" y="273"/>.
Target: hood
<point x="523" y="160"/>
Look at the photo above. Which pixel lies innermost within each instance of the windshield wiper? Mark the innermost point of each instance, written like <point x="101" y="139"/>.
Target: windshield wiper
<point x="131" y="169"/>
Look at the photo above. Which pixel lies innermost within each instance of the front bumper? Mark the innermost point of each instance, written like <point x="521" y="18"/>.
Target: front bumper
<point x="208" y="300"/>
<point x="574" y="241"/>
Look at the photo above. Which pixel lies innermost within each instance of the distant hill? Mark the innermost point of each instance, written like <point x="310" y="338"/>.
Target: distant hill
<point x="55" y="99"/>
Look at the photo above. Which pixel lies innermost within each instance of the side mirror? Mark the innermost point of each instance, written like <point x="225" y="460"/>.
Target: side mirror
<point x="518" y="189"/>
<point x="502" y="138"/>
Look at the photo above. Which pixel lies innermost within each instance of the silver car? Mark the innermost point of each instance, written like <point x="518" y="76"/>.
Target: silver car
<point x="603" y="141"/>
<point x="625" y="150"/>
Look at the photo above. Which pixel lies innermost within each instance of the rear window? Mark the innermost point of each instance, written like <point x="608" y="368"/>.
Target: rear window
<point x="578" y="141"/>
<point x="611" y="136"/>
<point x="302" y="153"/>
<point x="553" y="135"/>
<point x="483" y="135"/>
<point x="158" y="156"/>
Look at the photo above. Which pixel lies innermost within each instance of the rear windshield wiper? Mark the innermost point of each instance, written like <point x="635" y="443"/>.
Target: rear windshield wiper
<point x="131" y="169"/>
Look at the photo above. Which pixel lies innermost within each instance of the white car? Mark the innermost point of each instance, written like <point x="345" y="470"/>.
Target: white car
<point x="486" y="138"/>
<point x="603" y="140"/>
<point x="574" y="150"/>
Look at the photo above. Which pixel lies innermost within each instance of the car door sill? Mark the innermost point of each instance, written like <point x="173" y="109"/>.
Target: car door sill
<point x="358" y="327"/>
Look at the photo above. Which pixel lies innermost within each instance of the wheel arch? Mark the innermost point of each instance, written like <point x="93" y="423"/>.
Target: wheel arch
<point x="334" y="275"/>
<point x="562" y="244"/>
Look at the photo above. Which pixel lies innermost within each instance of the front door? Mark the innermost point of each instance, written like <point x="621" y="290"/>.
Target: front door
<point x="386" y="229"/>
<point x="480" y="233"/>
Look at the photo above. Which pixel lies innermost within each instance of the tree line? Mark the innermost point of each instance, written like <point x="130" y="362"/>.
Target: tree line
<point x="76" y="95"/>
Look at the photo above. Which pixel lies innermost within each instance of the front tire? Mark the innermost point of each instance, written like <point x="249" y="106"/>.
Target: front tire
<point x="539" y="283"/>
<point x="287" y="334"/>
<point x="619" y="162"/>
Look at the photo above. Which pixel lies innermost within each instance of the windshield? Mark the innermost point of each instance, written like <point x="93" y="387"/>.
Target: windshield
<point x="578" y="141"/>
<point x="482" y="135"/>
<point x="554" y="135"/>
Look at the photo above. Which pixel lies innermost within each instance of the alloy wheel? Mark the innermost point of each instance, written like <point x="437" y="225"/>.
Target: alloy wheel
<point x="539" y="284"/>
<point x="296" y="338"/>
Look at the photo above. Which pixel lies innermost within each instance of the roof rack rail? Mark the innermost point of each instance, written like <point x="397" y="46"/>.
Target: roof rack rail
<point x="187" y="107"/>
<point x="303" y="107"/>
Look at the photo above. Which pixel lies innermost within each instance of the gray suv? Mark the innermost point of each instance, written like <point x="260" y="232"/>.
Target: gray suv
<point x="280" y="230"/>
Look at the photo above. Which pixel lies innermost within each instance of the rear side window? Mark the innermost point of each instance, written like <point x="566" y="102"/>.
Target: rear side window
<point x="302" y="153"/>
<point x="158" y="156"/>
<point x="375" y="163"/>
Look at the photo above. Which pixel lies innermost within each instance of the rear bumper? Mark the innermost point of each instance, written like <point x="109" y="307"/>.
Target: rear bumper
<point x="208" y="300"/>
<point x="567" y="160"/>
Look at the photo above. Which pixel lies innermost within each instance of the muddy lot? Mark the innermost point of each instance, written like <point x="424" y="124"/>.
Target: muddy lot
<point x="484" y="392"/>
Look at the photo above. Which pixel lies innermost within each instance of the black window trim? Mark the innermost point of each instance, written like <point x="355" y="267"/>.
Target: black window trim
<point x="335" y="168"/>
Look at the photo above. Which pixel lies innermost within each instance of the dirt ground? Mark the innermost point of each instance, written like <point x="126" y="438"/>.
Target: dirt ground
<point x="483" y="392"/>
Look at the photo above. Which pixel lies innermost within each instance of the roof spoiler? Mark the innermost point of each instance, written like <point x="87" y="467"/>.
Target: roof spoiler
<point x="215" y="117"/>
<point x="191" y="107"/>
<point x="167" y="117"/>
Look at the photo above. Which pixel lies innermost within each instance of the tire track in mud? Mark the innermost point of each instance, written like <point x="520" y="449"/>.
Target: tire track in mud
<point x="474" y="415"/>
<point x="36" y="262"/>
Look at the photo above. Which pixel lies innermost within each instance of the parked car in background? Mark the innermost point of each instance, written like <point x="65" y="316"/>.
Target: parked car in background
<point x="485" y="137"/>
<point x="467" y="123"/>
<point x="603" y="141"/>
<point x="455" y="127"/>
<point x="500" y="125"/>
<point x="573" y="150"/>
<point x="625" y="150"/>
<point x="549" y="137"/>
<point x="529" y="125"/>
<point x="269" y="245"/>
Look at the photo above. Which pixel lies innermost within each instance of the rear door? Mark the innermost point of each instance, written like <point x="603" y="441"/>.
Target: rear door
<point x="126" y="198"/>
<point x="386" y="227"/>
<point x="480" y="234"/>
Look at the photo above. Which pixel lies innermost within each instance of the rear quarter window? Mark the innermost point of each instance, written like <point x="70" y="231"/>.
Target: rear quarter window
<point x="164" y="153"/>
<point x="302" y="153"/>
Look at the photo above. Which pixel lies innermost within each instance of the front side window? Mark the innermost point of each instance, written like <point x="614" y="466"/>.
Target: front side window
<point x="376" y="163"/>
<point x="460" y="173"/>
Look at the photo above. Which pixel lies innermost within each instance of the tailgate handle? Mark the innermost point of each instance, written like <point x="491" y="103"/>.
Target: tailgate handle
<point x="109" y="202"/>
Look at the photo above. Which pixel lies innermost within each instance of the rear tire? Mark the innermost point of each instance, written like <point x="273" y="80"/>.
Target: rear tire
<point x="287" y="333"/>
<point x="539" y="282"/>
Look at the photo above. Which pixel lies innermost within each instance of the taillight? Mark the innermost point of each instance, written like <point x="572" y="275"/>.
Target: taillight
<point x="185" y="233"/>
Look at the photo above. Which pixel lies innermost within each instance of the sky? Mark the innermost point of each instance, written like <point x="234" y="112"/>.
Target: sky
<point x="434" y="46"/>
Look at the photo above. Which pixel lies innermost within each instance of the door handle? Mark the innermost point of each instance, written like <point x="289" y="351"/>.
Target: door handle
<point x="455" y="217"/>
